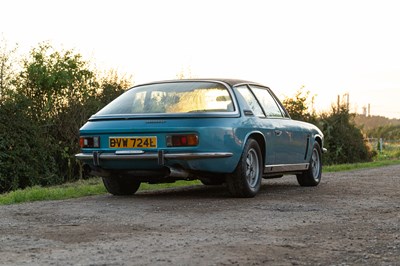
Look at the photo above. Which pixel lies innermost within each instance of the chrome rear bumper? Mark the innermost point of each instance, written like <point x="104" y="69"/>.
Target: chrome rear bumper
<point x="161" y="156"/>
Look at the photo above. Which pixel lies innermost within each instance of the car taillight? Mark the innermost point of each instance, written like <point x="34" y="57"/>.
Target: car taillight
<point x="89" y="142"/>
<point x="182" y="140"/>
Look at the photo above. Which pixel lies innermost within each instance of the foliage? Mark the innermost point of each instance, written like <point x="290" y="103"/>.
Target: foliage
<point x="298" y="106"/>
<point x="48" y="101"/>
<point x="391" y="132"/>
<point x="371" y="123"/>
<point x="111" y="86"/>
<point x="344" y="141"/>
<point x="6" y="68"/>
<point x="58" y="85"/>
<point x="54" y="80"/>
<point x="364" y="165"/>
<point x="26" y="153"/>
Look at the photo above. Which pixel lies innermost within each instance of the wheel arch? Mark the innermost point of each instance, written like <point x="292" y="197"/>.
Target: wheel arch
<point x="318" y="139"/>
<point x="259" y="137"/>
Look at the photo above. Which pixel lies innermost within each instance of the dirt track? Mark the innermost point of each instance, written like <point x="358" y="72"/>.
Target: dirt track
<point x="352" y="218"/>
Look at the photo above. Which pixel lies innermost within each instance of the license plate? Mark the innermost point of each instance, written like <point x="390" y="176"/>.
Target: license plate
<point x="133" y="142"/>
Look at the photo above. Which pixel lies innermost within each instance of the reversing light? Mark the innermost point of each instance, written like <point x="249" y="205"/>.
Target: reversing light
<point x="182" y="140"/>
<point x="89" y="142"/>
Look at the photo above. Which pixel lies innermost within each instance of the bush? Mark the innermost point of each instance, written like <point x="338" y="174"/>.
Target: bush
<point x="344" y="141"/>
<point x="51" y="98"/>
<point x="26" y="153"/>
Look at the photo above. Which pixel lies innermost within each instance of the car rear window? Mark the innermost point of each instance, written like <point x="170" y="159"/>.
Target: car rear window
<point x="172" y="97"/>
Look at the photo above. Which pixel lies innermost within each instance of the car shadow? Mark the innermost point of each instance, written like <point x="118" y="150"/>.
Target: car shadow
<point x="195" y="191"/>
<point x="217" y="192"/>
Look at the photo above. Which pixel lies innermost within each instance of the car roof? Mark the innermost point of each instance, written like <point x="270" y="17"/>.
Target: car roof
<point x="230" y="82"/>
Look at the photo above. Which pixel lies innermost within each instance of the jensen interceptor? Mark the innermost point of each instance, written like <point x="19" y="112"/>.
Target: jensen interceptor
<point x="220" y="131"/>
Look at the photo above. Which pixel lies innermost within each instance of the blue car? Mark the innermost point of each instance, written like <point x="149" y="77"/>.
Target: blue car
<point x="216" y="130"/>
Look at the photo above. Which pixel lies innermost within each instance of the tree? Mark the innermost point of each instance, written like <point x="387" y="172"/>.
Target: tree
<point x="6" y="68"/>
<point x="299" y="106"/>
<point x="57" y="85"/>
<point x="53" y="80"/>
<point x="112" y="85"/>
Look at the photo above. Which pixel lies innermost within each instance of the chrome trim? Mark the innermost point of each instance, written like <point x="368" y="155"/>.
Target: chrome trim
<point x="96" y="161"/>
<point x="280" y="168"/>
<point x="154" y="156"/>
<point x="120" y="152"/>
<point x="161" y="157"/>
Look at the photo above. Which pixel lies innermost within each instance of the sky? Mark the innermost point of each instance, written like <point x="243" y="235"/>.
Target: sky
<point x="331" y="48"/>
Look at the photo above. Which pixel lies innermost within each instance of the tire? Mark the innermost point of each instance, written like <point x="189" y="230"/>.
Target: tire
<point x="245" y="181"/>
<point x="119" y="186"/>
<point x="312" y="176"/>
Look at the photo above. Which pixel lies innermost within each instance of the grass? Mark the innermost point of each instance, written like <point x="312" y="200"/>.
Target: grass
<point x="69" y="190"/>
<point x="390" y="156"/>
<point x="355" y="166"/>
<point x="94" y="186"/>
<point x="81" y="188"/>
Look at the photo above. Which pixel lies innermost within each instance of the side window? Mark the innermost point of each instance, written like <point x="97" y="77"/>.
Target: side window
<point x="268" y="103"/>
<point x="251" y="101"/>
<point x="284" y="113"/>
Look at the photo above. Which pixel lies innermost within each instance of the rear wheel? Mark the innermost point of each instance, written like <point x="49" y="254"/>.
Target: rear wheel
<point x="120" y="186"/>
<point x="312" y="176"/>
<point x="245" y="181"/>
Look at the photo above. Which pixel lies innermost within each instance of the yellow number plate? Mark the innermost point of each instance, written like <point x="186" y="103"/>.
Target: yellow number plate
<point x="133" y="142"/>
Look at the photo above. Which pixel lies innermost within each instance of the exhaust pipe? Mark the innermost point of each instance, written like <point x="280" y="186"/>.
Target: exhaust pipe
<point x="176" y="172"/>
<point x="99" y="172"/>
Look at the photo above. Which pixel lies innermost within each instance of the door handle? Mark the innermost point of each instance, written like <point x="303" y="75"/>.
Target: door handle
<point x="278" y="132"/>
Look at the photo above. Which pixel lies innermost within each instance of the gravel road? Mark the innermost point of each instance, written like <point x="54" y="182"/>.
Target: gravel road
<point x="351" y="218"/>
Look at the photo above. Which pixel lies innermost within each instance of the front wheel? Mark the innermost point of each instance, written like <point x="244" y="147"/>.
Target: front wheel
<point x="312" y="176"/>
<point x="121" y="186"/>
<point x="245" y="181"/>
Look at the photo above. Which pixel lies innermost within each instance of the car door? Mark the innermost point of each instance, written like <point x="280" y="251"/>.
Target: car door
<point x="289" y="141"/>
<point x="255" y="113"/>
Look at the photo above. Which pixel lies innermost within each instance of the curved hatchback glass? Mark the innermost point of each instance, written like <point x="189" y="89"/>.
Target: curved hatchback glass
<point x="171" y="98"/>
